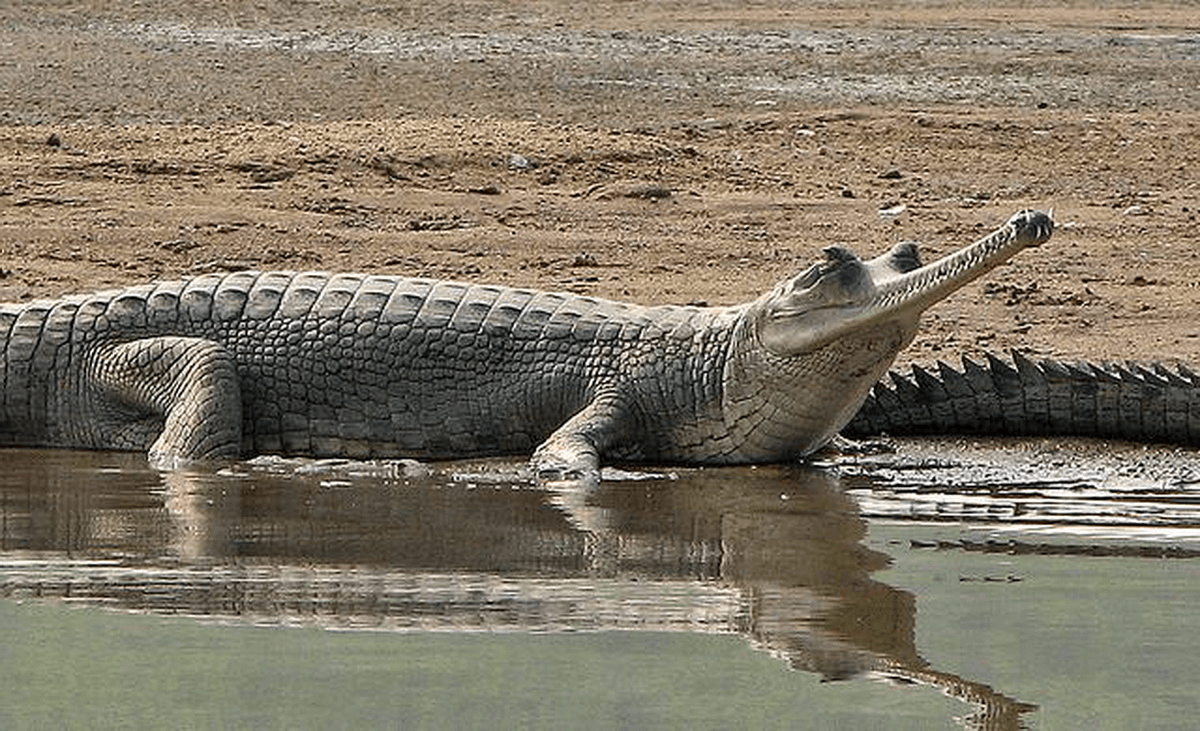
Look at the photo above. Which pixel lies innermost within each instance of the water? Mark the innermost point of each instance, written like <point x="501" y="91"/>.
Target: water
<point x="313" y="595"/>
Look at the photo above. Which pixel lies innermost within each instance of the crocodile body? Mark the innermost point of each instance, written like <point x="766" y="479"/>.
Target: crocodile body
<point x="349" y="365"/>
<point x="370" y="366"/>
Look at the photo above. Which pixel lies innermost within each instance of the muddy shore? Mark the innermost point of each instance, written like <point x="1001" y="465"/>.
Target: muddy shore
<point x="648" y="152"/>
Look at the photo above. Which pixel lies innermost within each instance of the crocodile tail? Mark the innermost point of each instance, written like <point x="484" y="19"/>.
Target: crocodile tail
<point x="1021" y="397"/>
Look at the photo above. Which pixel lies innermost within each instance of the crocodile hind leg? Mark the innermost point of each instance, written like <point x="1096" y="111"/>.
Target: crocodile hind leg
<point x="178" y="396"/>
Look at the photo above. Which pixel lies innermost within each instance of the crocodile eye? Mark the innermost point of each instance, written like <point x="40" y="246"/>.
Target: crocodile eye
<point x="807" y="279"/>
<point x="838" y="254"/>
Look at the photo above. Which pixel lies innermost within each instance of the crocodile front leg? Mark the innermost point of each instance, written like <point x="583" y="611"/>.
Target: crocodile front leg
<point x="178" y="396"/>
<point x="572" y="452"/>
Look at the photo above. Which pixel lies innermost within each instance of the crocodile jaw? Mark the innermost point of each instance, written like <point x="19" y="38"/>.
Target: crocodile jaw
<point x="789" y="324"/>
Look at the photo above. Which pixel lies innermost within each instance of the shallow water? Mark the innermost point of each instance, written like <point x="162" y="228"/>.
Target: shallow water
<point x="703" y="598"/>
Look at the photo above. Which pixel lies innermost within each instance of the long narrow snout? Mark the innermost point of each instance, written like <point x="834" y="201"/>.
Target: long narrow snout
<point x="921" y="288"/>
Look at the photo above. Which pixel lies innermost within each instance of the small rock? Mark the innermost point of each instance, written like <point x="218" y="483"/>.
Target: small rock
<point x="54" y="140"/>
<point x="1137" y="211"/>
<point x="436" y="224"/>
<point x="649" y="192"/>
<point x="892" y="211"/>
<point x="519" y="162"/>
<point x="891" y="175"/>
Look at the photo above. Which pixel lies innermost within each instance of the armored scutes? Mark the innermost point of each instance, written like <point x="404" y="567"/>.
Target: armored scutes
<point x="356" y="365"/>
<point x="1021" y="397"/>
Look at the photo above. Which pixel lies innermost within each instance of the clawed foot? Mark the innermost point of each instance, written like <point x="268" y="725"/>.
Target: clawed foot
<point x="566" y="458"/>
<point x="557" y="473"/>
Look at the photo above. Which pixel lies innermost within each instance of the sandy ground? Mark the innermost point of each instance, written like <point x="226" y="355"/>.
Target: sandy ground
<point x="653" y="152"/>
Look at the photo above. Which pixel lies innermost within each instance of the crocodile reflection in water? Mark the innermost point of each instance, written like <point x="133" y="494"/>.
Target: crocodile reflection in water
<point x="776" y="557"/>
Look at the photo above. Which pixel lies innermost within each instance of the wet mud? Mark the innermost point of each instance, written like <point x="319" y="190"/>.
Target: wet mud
<point x="1060" y="495"/>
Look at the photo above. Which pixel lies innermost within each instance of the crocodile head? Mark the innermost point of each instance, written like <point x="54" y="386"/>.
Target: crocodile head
<point x="844" y="294"/>
<point x="808" y="352"/>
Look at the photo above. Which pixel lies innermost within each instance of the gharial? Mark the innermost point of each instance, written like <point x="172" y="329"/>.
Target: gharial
<point x="353" y="365"/>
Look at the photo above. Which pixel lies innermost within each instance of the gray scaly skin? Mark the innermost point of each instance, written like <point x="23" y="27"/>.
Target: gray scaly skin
<point x="361" y="366"/>
<point x="1148" y="403"/>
